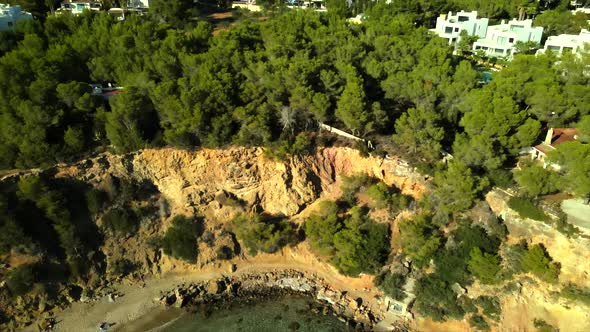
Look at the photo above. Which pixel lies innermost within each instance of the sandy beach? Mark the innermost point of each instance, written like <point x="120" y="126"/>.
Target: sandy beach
<point x="137" y="311"/>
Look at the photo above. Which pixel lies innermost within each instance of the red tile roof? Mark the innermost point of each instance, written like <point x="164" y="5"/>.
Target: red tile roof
<point x="562" y="135"/>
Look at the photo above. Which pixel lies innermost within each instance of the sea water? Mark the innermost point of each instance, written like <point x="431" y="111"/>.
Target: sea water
<point x="289" y="313"/>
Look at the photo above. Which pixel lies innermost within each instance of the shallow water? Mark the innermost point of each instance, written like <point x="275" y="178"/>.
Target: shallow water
<point x="284" y="314"/>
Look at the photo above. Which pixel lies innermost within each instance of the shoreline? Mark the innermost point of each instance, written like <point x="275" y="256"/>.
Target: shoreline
<point x="133" y="311"/>
<point x="255" y="288"/>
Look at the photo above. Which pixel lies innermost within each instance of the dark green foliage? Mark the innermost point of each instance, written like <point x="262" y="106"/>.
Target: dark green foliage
<point x="575" y="293"/>
<point x="20" y="280"/>
<point x="452" y="264"/>
<point x="180" y="240"/>
<point x="534" y="180"/>
<point x="354" y="243"/>
<point x="259" y="234"/>
<point x="543" y="326"/>
<point x="436" y="299"/>
<point x="123" y="267"/>
<point x="392" y="285"/>
<point x="537" y="261"/>
<point x="420" y="239"/>
<point x="95" y="200"/>
<point x="490" y="306"/>
<point x="383" y="196"/>
<point x="479" y="323"/>
<point x="526" y="208"/>
<point x="120" y="221"/>
<point x="351" y="185"/>
<point x="484" y="266"/>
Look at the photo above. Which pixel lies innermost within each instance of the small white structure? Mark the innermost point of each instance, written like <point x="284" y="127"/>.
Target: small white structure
<point x="138" y="3"/>
<point x="553" y="138"/>
<point x="450" y="26"/>
<point x="565" y="43"/>
<point x="500" y="39"/>
<point x="78" y="7"/>
<point x="9" y="15"/>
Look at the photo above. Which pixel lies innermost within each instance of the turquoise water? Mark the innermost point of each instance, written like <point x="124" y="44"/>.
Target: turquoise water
<point x="286" y="314"/>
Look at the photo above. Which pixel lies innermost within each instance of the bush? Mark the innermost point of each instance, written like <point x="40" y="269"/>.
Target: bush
<point x="575" y="293"/>
<point x="527" y="209"/>
<point x="490" y="306"/>
<point x="123" y="267"/>
<point x="479" y="323"/>
<point x="180" y="240"/>
<point x="120" y="221"/>
<point x="263" y="235"/>
<point x="354" y="243"/>
<point x="419" y="239"/>
<point x="95" y="200"/>
<point x="383" y="196"/>
<point x="543" y="326"/>
<point x="20" y="280"/>
<point x="484" y="266"/>
<point x="392" y="285"/>
<point x="352" y="184"/>
<point x="537" y="261"/>
<point x="436" y="299"/>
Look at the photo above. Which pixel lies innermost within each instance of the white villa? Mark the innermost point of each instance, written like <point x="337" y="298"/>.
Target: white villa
<point x="500" y="39"/>
<point x="78" y="7"/>
<point x="9" y="15"/>
<point x="139" y="3"/>
<point x="449" y="26"/>
<point x="567" y="43"/>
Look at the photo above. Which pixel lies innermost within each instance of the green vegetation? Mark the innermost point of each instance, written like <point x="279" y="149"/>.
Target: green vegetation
<point x="527" y="209"/>
<point x="180" y="240"/>
<point x="490" y="306"/>
<point x="575" y="293"/>
<point x="392" y="285"/>
<point x="419" y="239"/>
<point x="479" y="323"/>
<point x="485" y="267"/>
<point x="534" y="180"/>
<point x="436" y="299"/>
<point x="543" y="326"/>
<point x="260" y="234"/>
<point x="537" y="261"/>
<point x="20" y="280"/>
<point x="120" y="221"/>
<point x="352" y="241"/>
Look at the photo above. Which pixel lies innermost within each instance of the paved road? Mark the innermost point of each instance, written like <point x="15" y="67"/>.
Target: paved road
<point x="578" y="212"/>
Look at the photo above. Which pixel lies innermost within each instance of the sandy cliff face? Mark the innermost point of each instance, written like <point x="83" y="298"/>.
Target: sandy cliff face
<point x="541" y="301"/>
<point x="190" y="179"/>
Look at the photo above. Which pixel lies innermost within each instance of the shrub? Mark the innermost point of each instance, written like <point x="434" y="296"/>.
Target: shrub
<point x="543" y="326"/>
<point x="419" y="239"/>
<point x="382" y="196"/>
<point x="490" y="306"/>
<point x="180" y="240"/>
<point x="527" y="209"/>
<point x="120" y="221"/>
<point x="20" y="280"/>
<point x="95" y="200"/>
<point x="484" y="266"/>
<point x="123" y="267"/>
<point x="436" y="299"/>
<point x="352" y="184"/>
<point x="479" y="323"/>
<point x="392" y="285"/>
<point x="263" y="235"/>
<point x="575" y="293"/>
<point x="354" y="243"/>
<point x="537" y="261"/>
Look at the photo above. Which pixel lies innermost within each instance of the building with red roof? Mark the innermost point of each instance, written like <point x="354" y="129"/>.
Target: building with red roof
<point x="554" y="137"/>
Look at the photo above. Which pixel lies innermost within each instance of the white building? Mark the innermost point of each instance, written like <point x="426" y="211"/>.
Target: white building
<point x="138" y="3"/>
<point x="9" y="15"/>
<point x="567" y="43"/>
<point x="500" y="39"/>
<point x="450" y="26"/>
<point x="78" y="7"/>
